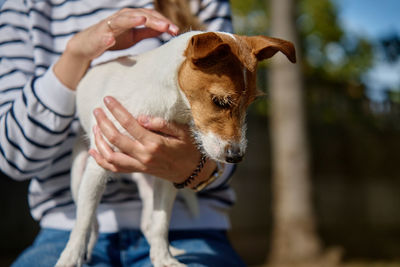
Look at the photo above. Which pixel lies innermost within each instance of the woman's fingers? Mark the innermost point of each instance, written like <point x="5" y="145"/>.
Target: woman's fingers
<point x="119" y="31"/>
<point x="156" y="21"/>
<point x="123" y="165"/>
<point x="142" y="129"/>
<point x="107" y="128"/>
<point x="124" y="25"/>
<point x="138" y="145"/>
<point x="123" y="142"/>
<point x="105" y="150"/>
<point x="102" y="161"/>
<point x="129" y="18"/>
<point x="112" y="160"/>
<point x="128" y="122"/>
<point x="158" y="147"/>
<point x="118" y="24"/>
<point x="159" y="125"/>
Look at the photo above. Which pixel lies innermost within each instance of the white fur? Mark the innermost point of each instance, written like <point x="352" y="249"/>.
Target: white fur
<point x="213" y="144"/>
<point x="144" y="87"/>
<point x="143" y="79"/>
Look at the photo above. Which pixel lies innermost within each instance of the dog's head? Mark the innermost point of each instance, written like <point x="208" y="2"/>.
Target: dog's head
<point x="218" y="78"/>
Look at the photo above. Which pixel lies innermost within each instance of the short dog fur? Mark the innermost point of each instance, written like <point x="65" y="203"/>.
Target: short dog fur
<point x="203" y="79"/>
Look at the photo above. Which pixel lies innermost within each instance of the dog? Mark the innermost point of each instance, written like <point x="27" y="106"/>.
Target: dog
<point x="203" y="79"/>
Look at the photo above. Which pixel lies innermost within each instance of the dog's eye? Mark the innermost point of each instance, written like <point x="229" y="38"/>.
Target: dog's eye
<point x="222" y="102"/>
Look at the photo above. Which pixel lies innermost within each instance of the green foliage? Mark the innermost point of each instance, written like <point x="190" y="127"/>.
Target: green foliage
<point x="330" y="54"/>
<point x="250" y="17"/>
<point x="319" y="17"/>
<point x="331" y="57"/>
<point x="243" y="8"/>
<point x="394" y="96"/>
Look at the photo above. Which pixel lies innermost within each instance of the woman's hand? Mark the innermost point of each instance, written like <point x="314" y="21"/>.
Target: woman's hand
<point x="119" y="31"/>
<point x="159" y="148"/>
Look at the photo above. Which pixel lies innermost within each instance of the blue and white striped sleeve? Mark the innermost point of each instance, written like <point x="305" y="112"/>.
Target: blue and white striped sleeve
<point x="216" y="15"/>
<point x="35" y="111"/>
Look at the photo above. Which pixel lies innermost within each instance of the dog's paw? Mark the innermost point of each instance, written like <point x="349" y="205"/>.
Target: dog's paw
<point x="167" y="262"/>
<point x="176" y="251"/>
<point x="71" y="258"/>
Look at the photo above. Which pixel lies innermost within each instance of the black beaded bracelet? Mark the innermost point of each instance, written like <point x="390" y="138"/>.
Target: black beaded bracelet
<point x="219" y="170"/>
<point x="193" y="175"/>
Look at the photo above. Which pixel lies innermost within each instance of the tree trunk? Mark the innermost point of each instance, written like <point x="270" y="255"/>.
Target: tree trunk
<point x="294" y="238"/>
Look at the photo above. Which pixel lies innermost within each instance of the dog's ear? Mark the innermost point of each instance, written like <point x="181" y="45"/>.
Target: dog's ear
<point x="265" y="47"/>
<point x="207" y="49"/>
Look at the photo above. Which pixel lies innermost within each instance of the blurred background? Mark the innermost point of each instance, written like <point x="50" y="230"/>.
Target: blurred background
<point x="320" y="184"/>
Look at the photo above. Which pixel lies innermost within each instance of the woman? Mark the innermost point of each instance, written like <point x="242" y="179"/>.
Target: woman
<point x="45" y="49"/>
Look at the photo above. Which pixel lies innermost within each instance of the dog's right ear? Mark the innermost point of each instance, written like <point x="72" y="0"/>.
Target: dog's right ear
<point x="207" y="49"/>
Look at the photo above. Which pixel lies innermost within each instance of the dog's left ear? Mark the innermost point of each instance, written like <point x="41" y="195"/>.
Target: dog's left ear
<point x="207" y="49"/>
<point x="265" y="47"/>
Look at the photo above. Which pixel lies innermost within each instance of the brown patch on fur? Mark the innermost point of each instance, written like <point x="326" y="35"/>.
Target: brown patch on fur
<point x="218" y="78"/>
<point x="265" y="47"/>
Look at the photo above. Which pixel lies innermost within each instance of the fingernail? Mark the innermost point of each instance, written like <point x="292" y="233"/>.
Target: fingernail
<point x="144" y="120"/>
<point x="173" y="28"/>
<point x="93" y="153"/>
<point x="107" y="100"/>
<point x="96" y="112"/>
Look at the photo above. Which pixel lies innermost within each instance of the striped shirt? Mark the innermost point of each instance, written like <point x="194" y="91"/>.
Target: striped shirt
<point x="38" y="124"/>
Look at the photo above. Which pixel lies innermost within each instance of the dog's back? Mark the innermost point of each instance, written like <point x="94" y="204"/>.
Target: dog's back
<point x="144" y="85"/>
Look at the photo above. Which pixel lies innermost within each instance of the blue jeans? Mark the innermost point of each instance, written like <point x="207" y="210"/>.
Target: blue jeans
<point x="130" y="248"/>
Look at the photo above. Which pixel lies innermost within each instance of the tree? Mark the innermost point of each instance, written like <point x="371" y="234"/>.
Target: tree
<point x="294" y="237"/>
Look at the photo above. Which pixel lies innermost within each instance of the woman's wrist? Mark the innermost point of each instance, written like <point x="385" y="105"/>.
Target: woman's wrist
<point x="216" y="173"/>
<point x="70" y="69"/>
<point x="204" y="174"/>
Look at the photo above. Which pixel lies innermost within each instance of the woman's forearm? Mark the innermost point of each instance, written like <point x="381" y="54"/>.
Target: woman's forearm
<point x="70" y="69"/>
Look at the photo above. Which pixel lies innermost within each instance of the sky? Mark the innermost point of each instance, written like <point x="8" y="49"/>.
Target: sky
<point x="374" y="19"/>
<point x="370" y="17"/>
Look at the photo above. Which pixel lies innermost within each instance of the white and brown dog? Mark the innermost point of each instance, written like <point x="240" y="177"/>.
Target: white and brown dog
<point x="206" y="80"/>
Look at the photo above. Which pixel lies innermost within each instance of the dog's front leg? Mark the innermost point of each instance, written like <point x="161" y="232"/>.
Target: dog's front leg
<point x="145" y="186"/>
<point x="90" y="191"/>
<point x="164" y="196"/>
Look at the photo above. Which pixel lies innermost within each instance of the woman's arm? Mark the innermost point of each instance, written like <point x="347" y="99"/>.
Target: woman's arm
<point x="33" y="124"/>
<point x="115" y="32"/>
<point x="36" y="111"/>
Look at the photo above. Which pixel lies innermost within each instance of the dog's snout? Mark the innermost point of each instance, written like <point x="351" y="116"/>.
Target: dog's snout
<point x="233" y="154"/>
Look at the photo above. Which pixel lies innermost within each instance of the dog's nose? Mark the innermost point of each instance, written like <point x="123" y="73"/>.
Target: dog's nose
<point x="233" y="154"/>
